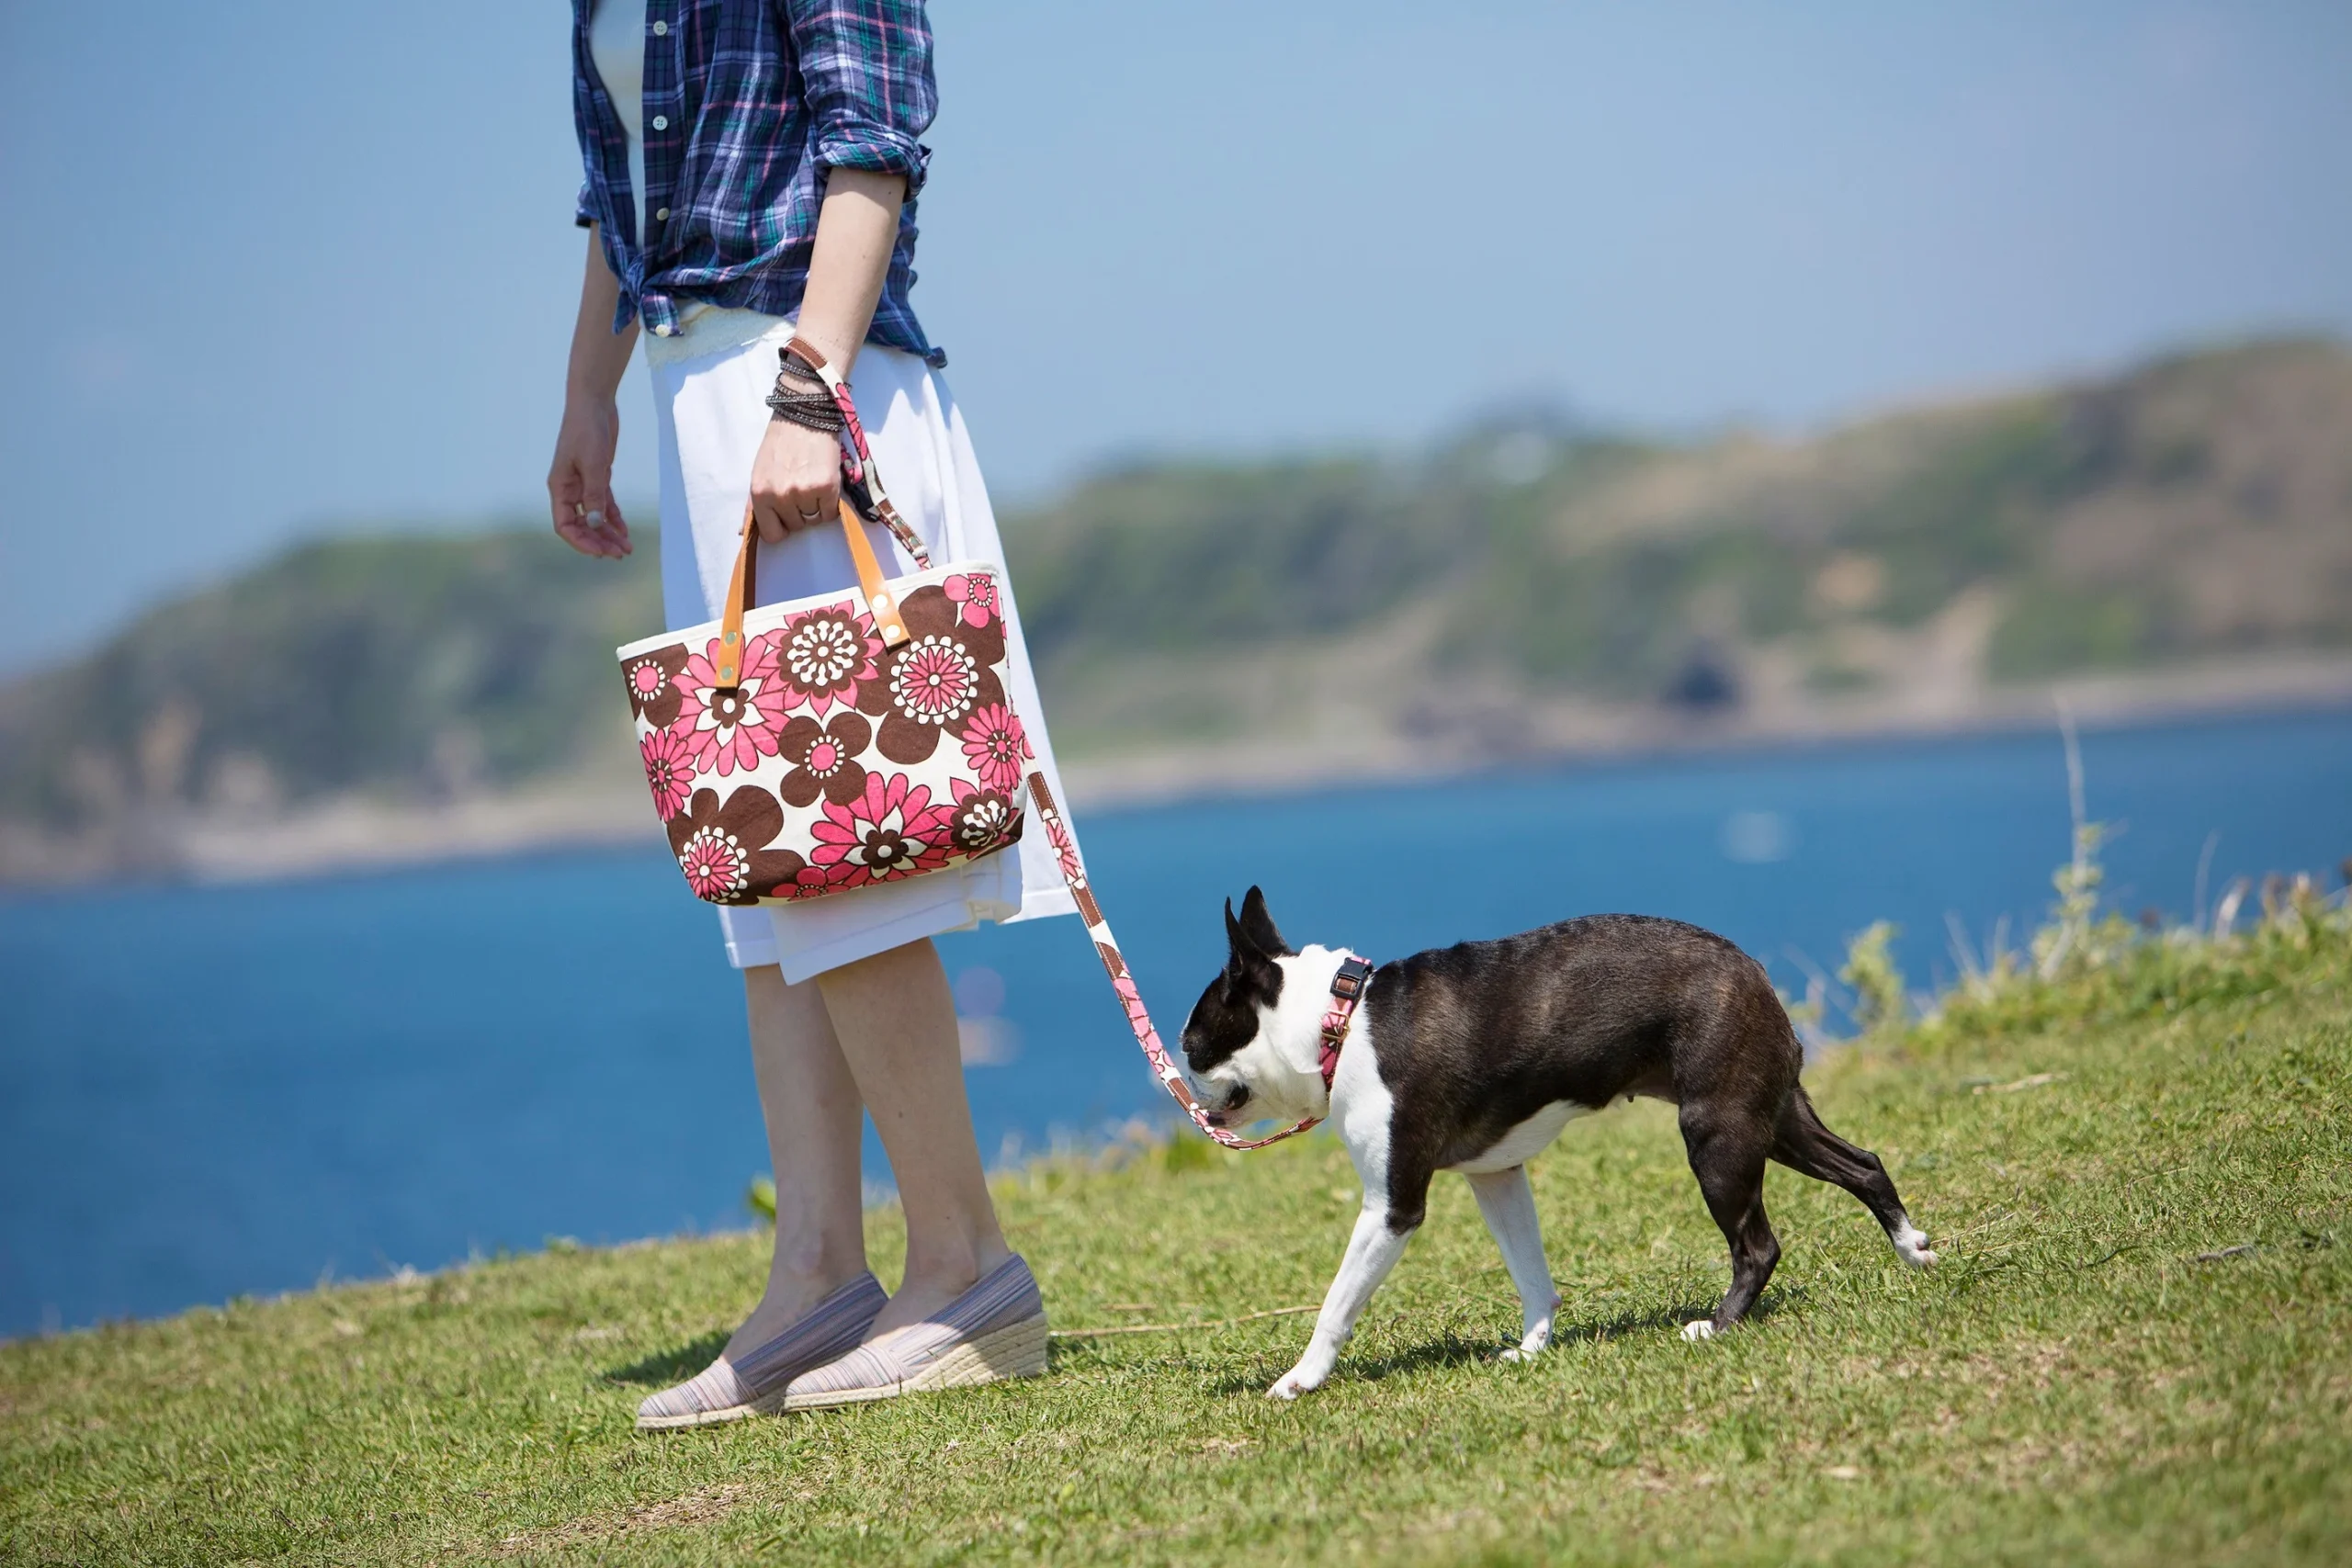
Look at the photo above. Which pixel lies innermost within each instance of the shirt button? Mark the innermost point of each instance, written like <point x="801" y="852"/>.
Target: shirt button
<point x="663" y="331"/>
<point x="660" y="29"/>
<point x="662" y="215"/>
<point x="661" y="122"/>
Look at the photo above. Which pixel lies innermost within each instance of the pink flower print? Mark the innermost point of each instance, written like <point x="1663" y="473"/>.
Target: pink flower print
<point x="822" y="656"/>
<point x="723" y="849"/>
<point x="892" y="831"/>
<point x="668" y="771"/>
<point x="716" y="863"/>
<point x="974" y="596"/>
<point x="652" y="681"/>
<point x="994" y="747"/>
<point x="982" y="820"/>
<point x="930" y="683"/>
<point x="934" y="680"/>
<point x="728" y="726"/>
<point x="1064" y="848"/>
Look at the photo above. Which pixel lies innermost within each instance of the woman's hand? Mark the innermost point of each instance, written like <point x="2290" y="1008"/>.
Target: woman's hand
<point x="579" y="482"/>
<point x="796" y="479"/>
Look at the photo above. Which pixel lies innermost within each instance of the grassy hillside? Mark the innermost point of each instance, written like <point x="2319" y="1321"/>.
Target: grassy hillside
<point x="2138" y="1348"/>
<point x="1525" y="590"/>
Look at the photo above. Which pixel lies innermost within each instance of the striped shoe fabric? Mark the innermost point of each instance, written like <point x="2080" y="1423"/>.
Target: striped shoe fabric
<point x="996" y="1329"/>
<point x="729" y="1391"/>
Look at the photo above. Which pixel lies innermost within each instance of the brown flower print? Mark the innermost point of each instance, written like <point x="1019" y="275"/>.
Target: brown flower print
<point x="983" y="819"/>
<point x="944" y="673"/>
<point x="823" y="656"/>
<point x="723" y="849"/>
<point x="825" y="759"/>
<point x="652" y="681"/>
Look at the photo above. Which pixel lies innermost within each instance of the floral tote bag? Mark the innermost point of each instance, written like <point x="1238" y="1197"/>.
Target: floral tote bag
<point x="800" y="749"/>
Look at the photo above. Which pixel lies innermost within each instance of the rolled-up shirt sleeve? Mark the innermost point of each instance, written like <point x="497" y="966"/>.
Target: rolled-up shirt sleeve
<point x="866" y="67"/>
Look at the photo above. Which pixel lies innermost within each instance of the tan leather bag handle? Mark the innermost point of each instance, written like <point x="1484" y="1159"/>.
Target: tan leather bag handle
<point x="743" y="587"/>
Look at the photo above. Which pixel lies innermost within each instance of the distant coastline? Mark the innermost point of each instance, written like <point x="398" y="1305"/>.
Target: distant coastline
<point x="354" y="833"/>
<point x="1568" y="732"/>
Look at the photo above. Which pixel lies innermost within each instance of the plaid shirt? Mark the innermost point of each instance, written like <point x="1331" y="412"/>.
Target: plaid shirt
<point x="748" y="102"/>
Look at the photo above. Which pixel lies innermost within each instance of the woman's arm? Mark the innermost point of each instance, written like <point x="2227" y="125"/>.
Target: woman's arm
<point x="580" y="483"/>
<point x="797" y="476"/>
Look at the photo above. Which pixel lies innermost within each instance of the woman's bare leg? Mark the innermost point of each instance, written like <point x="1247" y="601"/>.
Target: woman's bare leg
<point x="815" y="1125"/>
<point x="896" y="1021"/>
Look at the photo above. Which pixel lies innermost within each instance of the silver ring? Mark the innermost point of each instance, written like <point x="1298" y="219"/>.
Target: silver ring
<point x="811" y="516"/>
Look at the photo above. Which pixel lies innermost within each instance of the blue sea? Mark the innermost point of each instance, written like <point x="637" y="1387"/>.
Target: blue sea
<point x="207" y="1092"/>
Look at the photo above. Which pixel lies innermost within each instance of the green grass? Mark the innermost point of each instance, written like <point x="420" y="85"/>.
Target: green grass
<point x="2073" y="1384"/>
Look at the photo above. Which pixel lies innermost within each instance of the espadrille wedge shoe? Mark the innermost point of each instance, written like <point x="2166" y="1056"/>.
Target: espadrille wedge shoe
<point x="729" y="1391"/>
<point x="995" y="1330"/>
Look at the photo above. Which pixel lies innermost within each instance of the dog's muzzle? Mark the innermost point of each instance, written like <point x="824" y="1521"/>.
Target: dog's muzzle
<point x="1220" y="1114"/>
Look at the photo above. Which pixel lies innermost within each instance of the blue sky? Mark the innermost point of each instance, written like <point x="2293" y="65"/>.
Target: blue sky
<point x="281" y="267"/>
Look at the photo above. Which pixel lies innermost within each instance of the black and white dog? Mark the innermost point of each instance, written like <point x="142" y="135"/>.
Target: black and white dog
<point x="1473" y="1057"/>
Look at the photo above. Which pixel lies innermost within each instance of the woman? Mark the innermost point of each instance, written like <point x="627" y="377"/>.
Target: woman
<point x="765" y="151"/>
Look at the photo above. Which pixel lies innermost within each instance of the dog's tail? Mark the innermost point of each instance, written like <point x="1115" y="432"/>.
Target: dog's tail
<point x="1802" y="1144"/>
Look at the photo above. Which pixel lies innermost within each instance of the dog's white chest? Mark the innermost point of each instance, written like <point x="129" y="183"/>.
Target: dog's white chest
<point x="1525" y="1141"/>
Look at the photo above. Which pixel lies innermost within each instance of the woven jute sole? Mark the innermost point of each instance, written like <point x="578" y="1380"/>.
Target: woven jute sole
<point x="1015" y="1352"/>
<point x="699" y="1418"/>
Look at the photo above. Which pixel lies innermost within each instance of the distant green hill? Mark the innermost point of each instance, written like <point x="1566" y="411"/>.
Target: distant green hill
<point x="1522" y="589"/>
<point x="422" y="667"/>
<point x="2201" y="504"/>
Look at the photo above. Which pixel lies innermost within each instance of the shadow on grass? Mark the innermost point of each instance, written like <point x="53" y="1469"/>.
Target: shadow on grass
<point x="1456" y="1350"/>
<point x="1672" y="1317"/>
<point x="1452" y="1350"/>
<point x="662" y="1370"/>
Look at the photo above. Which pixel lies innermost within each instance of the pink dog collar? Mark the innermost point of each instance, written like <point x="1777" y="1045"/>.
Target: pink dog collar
<point x="1347" y="990"/>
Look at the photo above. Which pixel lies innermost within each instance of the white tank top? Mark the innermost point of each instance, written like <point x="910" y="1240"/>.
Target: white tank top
<point x="616" y="46"/>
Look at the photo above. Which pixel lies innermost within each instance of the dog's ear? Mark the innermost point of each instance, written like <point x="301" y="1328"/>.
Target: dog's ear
<point x="1250" y="958"/>
<point x="1258" y="927"/>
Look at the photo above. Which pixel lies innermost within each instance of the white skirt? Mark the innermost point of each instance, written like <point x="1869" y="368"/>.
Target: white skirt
<point x="708" y="408"/>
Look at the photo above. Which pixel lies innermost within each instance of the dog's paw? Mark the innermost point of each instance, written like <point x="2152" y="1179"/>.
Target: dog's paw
<point x="1912" y="1247"/>
<point x="1702" y="1329"/>
<point x="1531" y="1345"/>
<point x="1301" y="1378"/>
